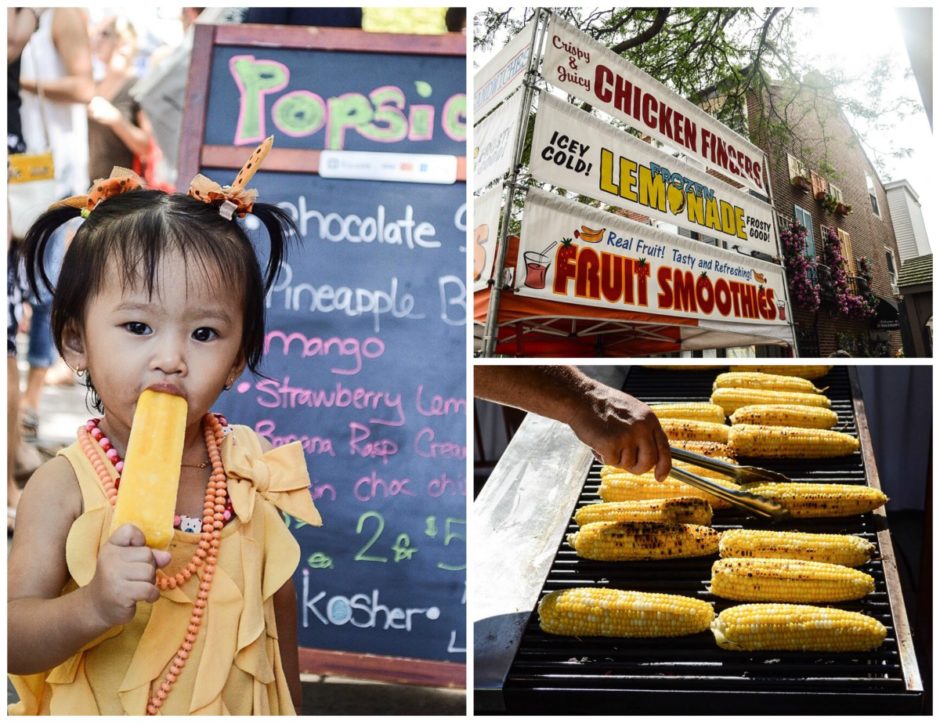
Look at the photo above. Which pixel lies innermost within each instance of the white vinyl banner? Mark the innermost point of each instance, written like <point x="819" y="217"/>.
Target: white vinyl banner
<point x="493" y="142"/>
<point x="572" y="253"/>
<point x="485" y="231"/>
<point x="503" y="73"/>
<point x="580" y="152"/>
<point x="584" y="68"/>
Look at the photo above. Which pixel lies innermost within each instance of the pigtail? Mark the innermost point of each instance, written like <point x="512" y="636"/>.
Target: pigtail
<point x="281" y="228"/>
<point x="33" y="249"/>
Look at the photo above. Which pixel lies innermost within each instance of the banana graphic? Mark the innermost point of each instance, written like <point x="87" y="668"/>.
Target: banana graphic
<point x="590" y="235"/>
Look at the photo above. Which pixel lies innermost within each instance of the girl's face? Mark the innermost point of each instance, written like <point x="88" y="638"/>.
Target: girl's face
<point x="185" y="339"/>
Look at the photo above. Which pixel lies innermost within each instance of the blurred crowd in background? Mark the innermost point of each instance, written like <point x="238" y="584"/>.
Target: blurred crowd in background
<point x="99" y="88"/>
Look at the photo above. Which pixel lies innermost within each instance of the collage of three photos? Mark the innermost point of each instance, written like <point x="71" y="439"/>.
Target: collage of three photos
<point x="469" y="361"/>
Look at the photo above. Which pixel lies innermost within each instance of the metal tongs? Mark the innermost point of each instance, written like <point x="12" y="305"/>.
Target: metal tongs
<point x="743" y="475"/>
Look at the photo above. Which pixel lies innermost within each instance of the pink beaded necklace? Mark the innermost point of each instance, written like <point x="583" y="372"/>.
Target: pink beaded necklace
<point x="206" y="555"/>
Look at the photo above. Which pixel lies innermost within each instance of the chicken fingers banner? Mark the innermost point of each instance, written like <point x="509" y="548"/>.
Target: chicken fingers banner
<point x="579" y="152"/>
<point x="576" y="254"/>
<point x="589" y="71"/>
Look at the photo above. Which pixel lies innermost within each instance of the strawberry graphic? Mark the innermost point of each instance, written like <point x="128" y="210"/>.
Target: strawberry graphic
<point x="567" y="251"/>
<point x="704" y="274"/>
<point x="643" y="269"/>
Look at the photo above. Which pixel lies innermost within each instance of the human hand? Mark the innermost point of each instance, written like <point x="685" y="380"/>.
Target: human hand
<point x="622" y="431"/>
<point x="103" y="111"/>
<point x="125" y="574"/>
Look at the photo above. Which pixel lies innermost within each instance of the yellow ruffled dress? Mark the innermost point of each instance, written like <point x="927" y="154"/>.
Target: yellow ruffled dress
<point x="235" y="665"/>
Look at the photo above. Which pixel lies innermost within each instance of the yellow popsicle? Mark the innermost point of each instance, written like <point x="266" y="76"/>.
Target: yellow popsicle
<point x="151" y="477"/>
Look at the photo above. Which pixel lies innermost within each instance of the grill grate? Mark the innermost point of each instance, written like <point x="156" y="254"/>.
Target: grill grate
<point x="691" y="674"/>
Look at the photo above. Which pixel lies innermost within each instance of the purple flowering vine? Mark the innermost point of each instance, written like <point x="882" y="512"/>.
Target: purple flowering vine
<point x="803" y="291"/>
<point x="848" y="304"/>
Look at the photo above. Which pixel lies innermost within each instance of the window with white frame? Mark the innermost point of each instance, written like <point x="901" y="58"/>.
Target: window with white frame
<point x="805" y="219"/>
<point x="892" y="269"/>
<point x="873" y="195"/>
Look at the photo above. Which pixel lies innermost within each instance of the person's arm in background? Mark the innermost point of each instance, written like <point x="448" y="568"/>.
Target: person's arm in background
<point x="21" y="24"/>
<point x="70" y="35"/>
<point x="620" y="430"/>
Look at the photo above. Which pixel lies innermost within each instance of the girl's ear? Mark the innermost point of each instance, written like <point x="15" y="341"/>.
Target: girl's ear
<point x="236" y="371"/>
<point x="73" y="347"/>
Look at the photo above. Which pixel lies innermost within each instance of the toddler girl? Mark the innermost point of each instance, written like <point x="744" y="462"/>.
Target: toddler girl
<point x="159" y="291"/>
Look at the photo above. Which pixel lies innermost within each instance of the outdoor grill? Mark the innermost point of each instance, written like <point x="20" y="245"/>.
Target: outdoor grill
<point x="552" y="674"/>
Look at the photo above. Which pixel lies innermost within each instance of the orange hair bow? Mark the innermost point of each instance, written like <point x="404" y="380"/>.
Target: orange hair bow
<point x="235" y="198"/>
<point x="120" y="181"/>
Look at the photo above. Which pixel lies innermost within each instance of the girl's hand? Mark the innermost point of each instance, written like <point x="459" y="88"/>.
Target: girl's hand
<point x="125" y="574"/>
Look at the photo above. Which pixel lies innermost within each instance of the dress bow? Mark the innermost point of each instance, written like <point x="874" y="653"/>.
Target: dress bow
<point x="279" y="476"/>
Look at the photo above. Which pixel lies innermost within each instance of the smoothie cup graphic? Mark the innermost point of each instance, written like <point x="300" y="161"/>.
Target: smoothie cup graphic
<point x="782" y="310"/>
<point x="536" y="266"/>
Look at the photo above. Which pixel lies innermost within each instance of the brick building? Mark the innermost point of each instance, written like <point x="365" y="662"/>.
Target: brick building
<point x="822" y="179"/>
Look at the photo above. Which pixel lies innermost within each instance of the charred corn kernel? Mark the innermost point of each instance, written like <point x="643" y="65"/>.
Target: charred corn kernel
<point x="785" y="415"/>
<point x="700" y="411"/>
<point x="761" y="380"/>
<point x="763" y="579"/>
<point x="693" y="510"/>
<point x="718" y="450"/>
<point x="732" y="398"/>
<point x="809" y="499"/>
<point x="850" y="550"/>
<point x="807" y="371"/>
<point x="622" y="613"/>
<point x="609" y="470"/>
<point x="779" y="626"/>
<point x="643" y="540"/>
<point x="754" y="440"/>
<point x="618" y="486"/>
<point x="692" y="429"/>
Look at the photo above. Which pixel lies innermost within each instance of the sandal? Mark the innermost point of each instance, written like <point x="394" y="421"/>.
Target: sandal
<point x="29" y="424"/>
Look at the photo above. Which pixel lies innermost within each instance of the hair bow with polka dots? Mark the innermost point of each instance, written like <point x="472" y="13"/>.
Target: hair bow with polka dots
<point x="234" y="198"/>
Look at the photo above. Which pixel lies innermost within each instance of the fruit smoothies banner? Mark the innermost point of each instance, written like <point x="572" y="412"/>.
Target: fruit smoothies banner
<point x="485" y="232"/>
<point x="494" y="142"/>
<point x="582" y="153"/>
<point x="581" y="66"/>
<point x="503" y="73"/>
<point x="579" y="255"/>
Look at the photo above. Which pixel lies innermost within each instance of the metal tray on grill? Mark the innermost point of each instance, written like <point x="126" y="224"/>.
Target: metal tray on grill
<point x="520" y="555"/>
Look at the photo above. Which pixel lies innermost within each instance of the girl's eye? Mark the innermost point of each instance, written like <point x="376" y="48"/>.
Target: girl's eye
<point x="204" y="333"/>
<point x="137" y="328"/>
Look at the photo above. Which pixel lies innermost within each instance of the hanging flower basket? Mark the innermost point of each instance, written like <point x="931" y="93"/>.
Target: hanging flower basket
<point x="800" y="270"/>
<point x="843" y="209"/>
<point x="800" y="182"/>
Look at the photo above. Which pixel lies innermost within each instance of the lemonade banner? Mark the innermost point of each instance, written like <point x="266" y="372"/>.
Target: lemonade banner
<point x="576" y="254"/>
<point x="486" y="214"/>
<point x="494" y="142"/>
<point x="580" y="152"/>
<point x="582" y="67"/>
<point x="503" y="73"/>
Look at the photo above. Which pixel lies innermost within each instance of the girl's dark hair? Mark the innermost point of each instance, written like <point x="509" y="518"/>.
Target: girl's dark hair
<point x="135" y="230"/>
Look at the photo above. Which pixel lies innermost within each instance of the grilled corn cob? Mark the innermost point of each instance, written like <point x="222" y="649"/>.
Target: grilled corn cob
<point x="719" y="450"/>
<point x="622" y="613"/>
<point x="777" y="626"/>
<point x="805" y="371"/>
<point x="753" y="440"/>
<point x="643" y="540"/>
<point x="848" y="550"/>
<point x="808" y="499"/>
<point x="618" y="486"/>
<point x="731" y="398"/>
<point x="700" y="411"/>
<point x="694" y="430"/>
<point x="786" y="415"/>
<point x="761" y="380"/>
<point x="693" y="510"/>
<point x="761" y="579"/>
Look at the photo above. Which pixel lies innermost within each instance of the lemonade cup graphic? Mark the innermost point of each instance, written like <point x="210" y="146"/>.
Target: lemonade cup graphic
<point x="536" y="267"/>
<point x="782" y="310"/>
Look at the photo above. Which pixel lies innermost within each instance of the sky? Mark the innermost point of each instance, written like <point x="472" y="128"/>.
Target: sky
<point x="851" y="40"/>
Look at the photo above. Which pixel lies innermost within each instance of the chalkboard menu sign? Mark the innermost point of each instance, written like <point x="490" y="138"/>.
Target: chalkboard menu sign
<point x="366" y="331"/>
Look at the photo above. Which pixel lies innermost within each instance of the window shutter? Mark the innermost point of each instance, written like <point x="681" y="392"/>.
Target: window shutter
<point x="847" y="252"/>
<point x="835" y="191"/>
<point x="819" y="184"/>
<point x="796" y="168"/>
